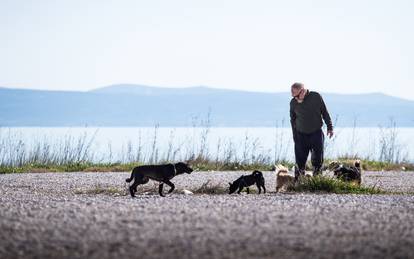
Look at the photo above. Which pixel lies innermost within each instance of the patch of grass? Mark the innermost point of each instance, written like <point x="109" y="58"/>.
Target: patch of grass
<point x="326" y="184"/>
<point x="197" y="164"/>
<point x="222" y="165"/>
<point x="119" y="191"/>
<point x="113" y="191"/>
<point x="372" y="165"/>
<point x="208" y="188"/>
<point x="229" y="166"/>
<point x="111" y="167"/>
<point x="70" y="167"/>
<point x="384" y="166"/>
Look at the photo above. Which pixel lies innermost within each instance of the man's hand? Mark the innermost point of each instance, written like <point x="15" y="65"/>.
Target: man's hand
<point x="330" y="133"/>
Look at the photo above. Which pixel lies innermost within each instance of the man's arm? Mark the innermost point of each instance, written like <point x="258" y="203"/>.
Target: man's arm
<point x="293" y="120"/>
<point x="325" y="115"/>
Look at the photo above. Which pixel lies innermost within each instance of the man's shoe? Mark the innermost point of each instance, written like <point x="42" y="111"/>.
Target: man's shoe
<point x="299" y="173"/>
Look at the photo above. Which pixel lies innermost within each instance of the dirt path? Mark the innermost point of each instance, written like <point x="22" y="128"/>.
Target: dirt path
<point x="64" y="215"/>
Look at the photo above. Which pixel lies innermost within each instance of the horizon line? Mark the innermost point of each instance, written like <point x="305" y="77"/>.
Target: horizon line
<point x="187" y="87"/>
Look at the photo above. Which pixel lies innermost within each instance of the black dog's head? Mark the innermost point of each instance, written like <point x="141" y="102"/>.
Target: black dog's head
<point x="183" y="168"/>
<point x="233" y="187"/>
<point x="334" y="165"/>
<point x="357" y="164"/>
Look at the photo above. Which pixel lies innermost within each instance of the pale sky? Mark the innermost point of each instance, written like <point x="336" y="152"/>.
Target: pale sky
<point x="258" y="45"/>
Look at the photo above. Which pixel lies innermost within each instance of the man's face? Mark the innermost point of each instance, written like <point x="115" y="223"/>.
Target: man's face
<point x="296" y="92"/>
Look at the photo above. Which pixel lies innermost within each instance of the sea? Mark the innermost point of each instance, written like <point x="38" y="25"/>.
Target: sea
<point x="122" y="144"/>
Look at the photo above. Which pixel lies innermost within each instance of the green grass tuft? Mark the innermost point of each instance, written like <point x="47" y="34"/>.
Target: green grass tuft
<point x="208" y="188"/>
<point x="326" y="184"/>
<point x="113" y="191"/>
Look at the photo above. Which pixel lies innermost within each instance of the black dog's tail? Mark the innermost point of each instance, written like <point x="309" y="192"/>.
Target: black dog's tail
<point x="130" y="178"/>
<point x="257" y="173"/>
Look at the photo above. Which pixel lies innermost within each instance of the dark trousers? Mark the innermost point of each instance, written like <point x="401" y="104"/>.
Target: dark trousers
<point x="305" y="143"/>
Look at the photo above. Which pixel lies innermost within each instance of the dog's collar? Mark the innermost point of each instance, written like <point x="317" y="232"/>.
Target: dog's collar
<point x="175" y="170"/>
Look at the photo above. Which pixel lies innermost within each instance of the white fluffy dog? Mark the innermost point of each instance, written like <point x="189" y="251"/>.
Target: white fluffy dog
<point x="283" y="178"/>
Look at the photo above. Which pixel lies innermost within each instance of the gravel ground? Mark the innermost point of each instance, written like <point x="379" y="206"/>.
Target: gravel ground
<point x="60" y="215"/>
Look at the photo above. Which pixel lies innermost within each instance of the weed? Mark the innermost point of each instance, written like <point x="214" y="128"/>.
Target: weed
<point x="326" y="184"/>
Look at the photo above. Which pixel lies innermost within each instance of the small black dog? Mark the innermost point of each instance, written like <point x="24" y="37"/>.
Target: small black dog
<point x="349" y="173"/>
<point x="247" y="180"/>
<point x="160" y="173"/>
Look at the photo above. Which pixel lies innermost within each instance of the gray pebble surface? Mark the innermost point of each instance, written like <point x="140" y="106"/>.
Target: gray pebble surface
<point x="52" y="215"/>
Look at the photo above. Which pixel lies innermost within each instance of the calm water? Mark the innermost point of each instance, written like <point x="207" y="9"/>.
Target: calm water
<point x="119" y="144"/>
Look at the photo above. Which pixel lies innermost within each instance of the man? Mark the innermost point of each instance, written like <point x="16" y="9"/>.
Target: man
<point x="307" y="109"/>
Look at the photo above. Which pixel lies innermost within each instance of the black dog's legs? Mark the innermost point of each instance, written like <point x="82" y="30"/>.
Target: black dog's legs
<point x="132" y="190"/>
<point x="142" y="180"/>
<point x="240" y="189"/>
<point x="264" y="188"/>
<point x="259" y="187"/>
<point x="169" y="183"/>
<point x="248" y="191"/>
<point x="138" y="180"/>
<point x="133" y="187"/>
<point x="160" y="189"/>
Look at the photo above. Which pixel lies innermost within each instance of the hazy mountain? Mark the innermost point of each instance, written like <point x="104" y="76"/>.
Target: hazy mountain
<point x="138" y="105"/>
<point x="154" y="90"/>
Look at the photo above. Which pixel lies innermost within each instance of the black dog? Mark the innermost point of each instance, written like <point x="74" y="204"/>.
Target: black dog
<point x="247" y="180"/>
<point x="349" y="173"/>
<point x="160" y="173"/>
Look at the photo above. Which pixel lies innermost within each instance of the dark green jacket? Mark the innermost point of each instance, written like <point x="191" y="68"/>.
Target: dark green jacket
<point x="306" y="117"/>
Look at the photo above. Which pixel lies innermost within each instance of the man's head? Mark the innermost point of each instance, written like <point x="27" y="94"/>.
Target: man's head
<point x="298" y="91"/>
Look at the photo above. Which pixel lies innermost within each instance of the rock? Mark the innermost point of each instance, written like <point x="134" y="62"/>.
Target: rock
<point x="187" y="192"/>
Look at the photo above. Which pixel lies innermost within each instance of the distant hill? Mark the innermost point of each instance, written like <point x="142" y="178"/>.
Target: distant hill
<point x="153" y="90"/>
<point x="138" y="105"/>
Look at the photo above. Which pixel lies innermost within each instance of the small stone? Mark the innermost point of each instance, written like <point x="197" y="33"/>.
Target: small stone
<point x="187" y="192"/>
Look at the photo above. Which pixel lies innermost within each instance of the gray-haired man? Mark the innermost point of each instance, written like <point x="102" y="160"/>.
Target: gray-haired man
<point x="307" y="109"/>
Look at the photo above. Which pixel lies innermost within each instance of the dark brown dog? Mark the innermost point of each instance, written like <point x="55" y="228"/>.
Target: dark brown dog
<point x="160" y="173"/>
<point x="348" y="173"/>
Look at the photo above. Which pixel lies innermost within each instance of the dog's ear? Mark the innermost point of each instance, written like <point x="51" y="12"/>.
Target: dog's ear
<point x="229" y="183"/>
